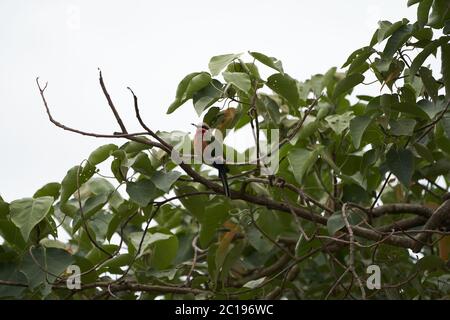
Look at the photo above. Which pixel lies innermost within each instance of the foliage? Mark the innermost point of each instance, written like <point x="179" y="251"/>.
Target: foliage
<point x="307" y="232"/>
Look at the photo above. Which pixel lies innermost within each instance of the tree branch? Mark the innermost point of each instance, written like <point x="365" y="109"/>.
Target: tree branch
<point x="399" y="208"/>
<point x="437" y="220"/>
<point x="124" y="286"/>
<point x="110" y="103"/>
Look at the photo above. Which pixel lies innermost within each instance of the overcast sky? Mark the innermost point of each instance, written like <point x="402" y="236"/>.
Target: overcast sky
<point x="150" y="46"/>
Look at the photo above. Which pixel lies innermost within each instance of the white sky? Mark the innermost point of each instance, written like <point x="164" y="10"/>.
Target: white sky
<point x="150" y="46"/>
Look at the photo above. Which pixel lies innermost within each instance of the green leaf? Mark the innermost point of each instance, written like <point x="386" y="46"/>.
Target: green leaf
<point x="446" y="29"/>
<point x="401" y="164"/>
<point x="132" y="147"/>
<point x="440" y="167"/>
<point x="188" y="86"/>
<point x="165" y="180"/>
<point x="240" y="67"/>
<point x="9" y="272"/>
<point x="8" y="230"/>
<point x="232" y="257"/>
<point x="424" y="152"/>
<point x="118" y="261"/>
<point x="211" y="115"/>
<point x="142" y="164"/>
<point x="26" y="213"/>
<point x="408" y="94"/>
<point x="240" y="80"/>
<point x="214" y="216"/>
<point x="439" y="13"/>
<point x="356" y="190"/>
<point x="94" y="204"/>
<point x="387" y="28"/>
<point x="160" y="243"/>
<point x="424" y="35"/>
<point x="204" y="98"/>
<point x="221" y="253"/>
<point x="429" y="83"/>
<point x="95" y="255"/>
<point x="335" y="223"/>
<point x="446" y="124"/>
<point x="307" y="130"/>
<point x="347" y="84"/>
<point x="358" y="126"/>
<point x="90" y="207"/>
<point x="398" y="38"/>
<point x="271" y="62"/>
<point x="423" y="55"/>
<point x="410" y="108"/>
<point x="126" y="209"/>
<point x="54" y="261"/>
<point x="430" y="108"/>
<point x="356" y="53"/>
<point x="286" y="87"/>
<point x="50" y="189"/>
<point x="430" y="263"/>
<point x="170" y="217"/>
<point x="381" y="65"/>
<point x="270" y="109"/>
<point x="218" y="63"/>
<point x="423" y="11"/>
<point x="4" y="206"/>
<point x="300" y="161"/>
<point x="327" y="157"/>
<point x="360" y="59"/>
<point x="142" y="192"/>
<point x="402" y="127"/>
<point x="70" y="182"/>
<point x="50" y="243"/>
<point x="99" y="186"/>
<point x="101" y="153"/>
<point x="194" y="204"/>
<point x="380" y="34"/>
<point x="196" y="83"/>
<point x="339" y="122"/>
<point x="258" y="241"/>
<point x="412" y="2"/>
<point x="164" y="252"/>
<point x="266" y="221"/>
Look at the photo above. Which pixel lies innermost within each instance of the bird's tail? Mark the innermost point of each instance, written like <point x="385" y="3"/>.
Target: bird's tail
<point x="223" y="178"/>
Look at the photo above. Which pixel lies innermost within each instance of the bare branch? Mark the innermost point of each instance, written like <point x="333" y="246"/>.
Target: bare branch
<point x="400" y="208"/>
<point x="110" y="103"/>
<point x="437" y="220"/>
<point x="84" y="133"/>
<point x="352" y="251"/>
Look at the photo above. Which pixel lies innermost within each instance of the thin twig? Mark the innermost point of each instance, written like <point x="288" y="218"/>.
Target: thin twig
<point x="352" y="251"/>
<point x="110" y="103"/>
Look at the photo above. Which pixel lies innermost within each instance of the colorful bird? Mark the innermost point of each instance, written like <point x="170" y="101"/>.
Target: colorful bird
<point x="217" y="161"/>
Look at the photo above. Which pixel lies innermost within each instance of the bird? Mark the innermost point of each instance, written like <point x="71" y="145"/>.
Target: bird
<point x="200" y="144"/>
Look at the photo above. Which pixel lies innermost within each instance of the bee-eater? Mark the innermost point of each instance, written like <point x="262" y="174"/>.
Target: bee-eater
<point x="217" y="161"/>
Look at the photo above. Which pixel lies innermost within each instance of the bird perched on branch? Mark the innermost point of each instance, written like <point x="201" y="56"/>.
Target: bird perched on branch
<point x="205" y="148"/>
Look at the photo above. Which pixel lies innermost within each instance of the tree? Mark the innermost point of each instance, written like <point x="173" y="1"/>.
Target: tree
<point x="357" y="207"/>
